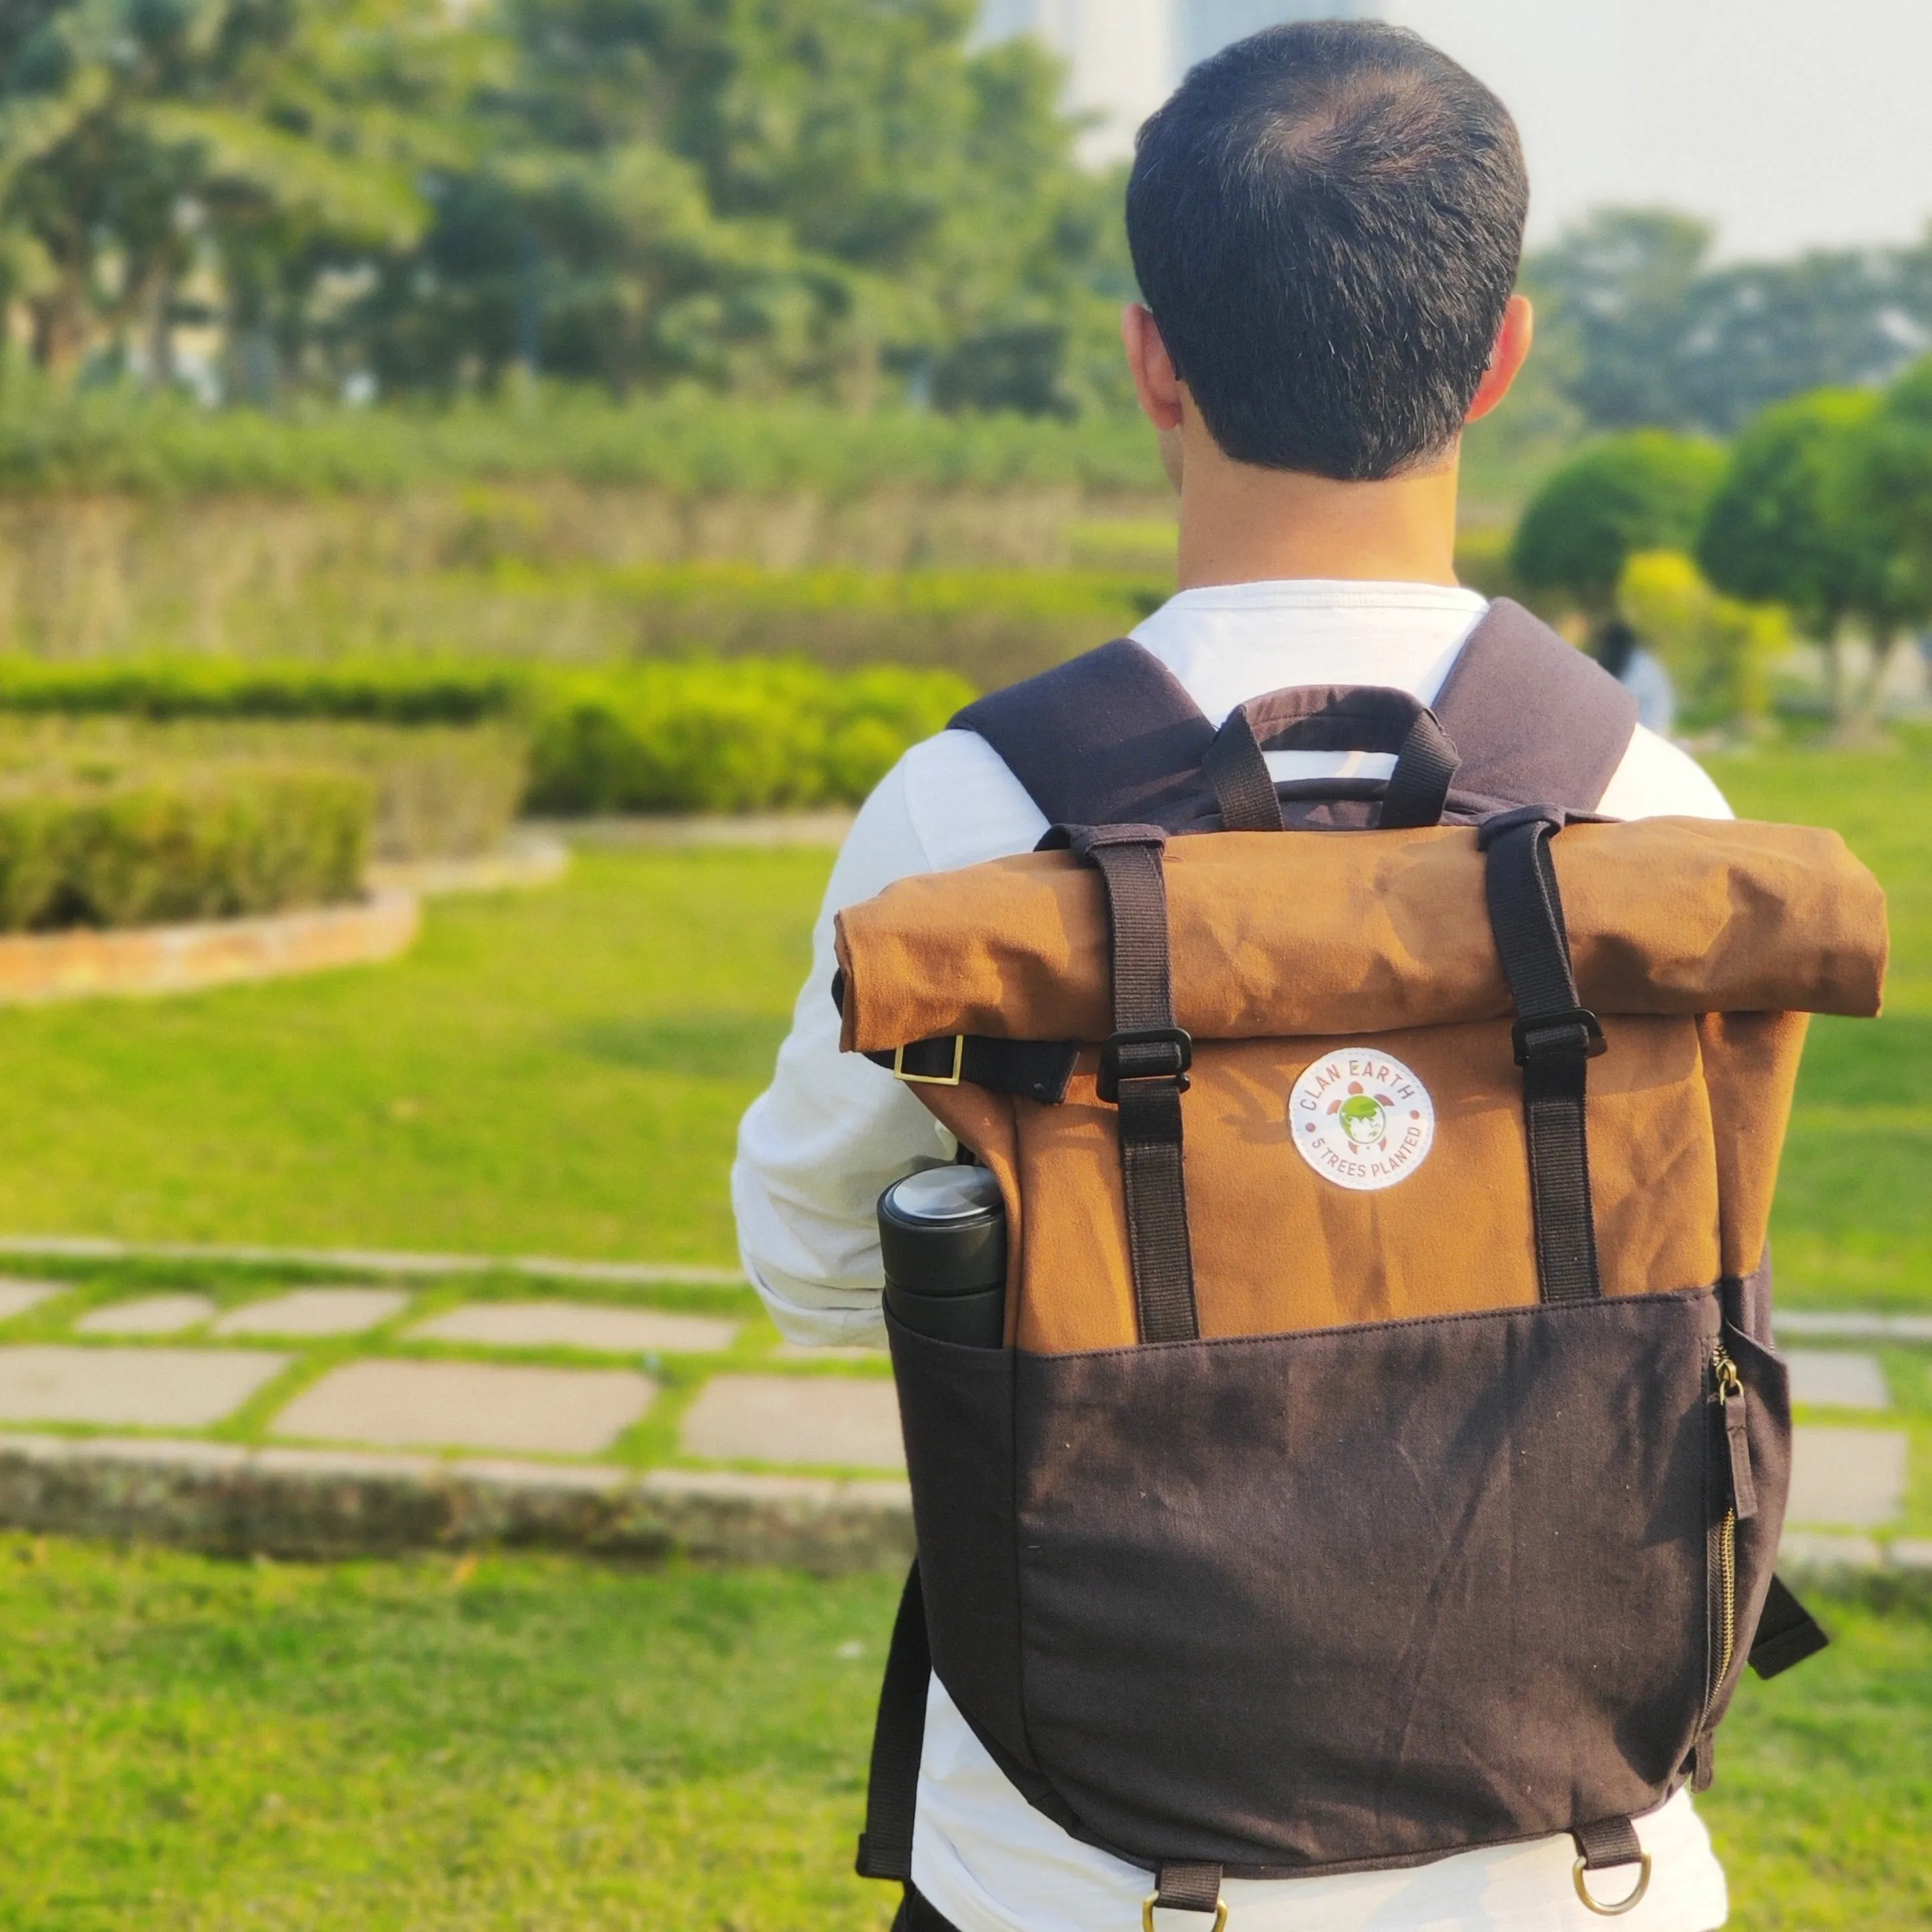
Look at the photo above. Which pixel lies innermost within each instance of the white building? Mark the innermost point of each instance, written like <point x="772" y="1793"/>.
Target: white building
<point x="1127" y="56"/>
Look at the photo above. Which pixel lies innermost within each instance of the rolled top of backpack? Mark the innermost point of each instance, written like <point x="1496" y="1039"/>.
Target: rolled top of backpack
<point x="1282" y="934"/>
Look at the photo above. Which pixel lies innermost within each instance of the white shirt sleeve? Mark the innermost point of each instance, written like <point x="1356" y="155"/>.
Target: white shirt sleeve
<point x="1656" y="780"/>
<point x="833" y="1130"/>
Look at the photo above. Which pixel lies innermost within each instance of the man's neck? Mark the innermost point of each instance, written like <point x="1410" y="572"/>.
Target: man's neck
<point x="1242" y="525"/>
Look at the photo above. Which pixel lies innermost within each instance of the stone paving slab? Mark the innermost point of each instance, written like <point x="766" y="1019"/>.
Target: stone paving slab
<point x="590" y="1325"/>
<point x="372" y="1261"/>
<point x="148" y="1315"/>
<point x="847" y="1420"/>
<point x="1847" y="1478"/>
<point x="137" y="1388"/>
<point x="470" y="1406"/>
<point x="1801" y="1549"/>
<point x="1834" y="1380"/>
<point x="1852" y="1327"/>
<point x="17" y="1296"/>
<point x="304" y="1313"/>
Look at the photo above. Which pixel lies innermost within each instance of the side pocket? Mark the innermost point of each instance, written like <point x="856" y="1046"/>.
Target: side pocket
<point x="956" y="1409"/>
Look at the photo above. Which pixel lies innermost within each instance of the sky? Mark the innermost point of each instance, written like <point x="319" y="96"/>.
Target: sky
<point x="1791" y="123"/>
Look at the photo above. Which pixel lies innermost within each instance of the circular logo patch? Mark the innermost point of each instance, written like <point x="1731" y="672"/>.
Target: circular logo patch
<point x="1361" y="1119"/>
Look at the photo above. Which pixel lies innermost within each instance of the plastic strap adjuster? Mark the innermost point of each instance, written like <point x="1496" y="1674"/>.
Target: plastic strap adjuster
<point x="1575" y="1031"/>
<point x="1144" y="1062"/>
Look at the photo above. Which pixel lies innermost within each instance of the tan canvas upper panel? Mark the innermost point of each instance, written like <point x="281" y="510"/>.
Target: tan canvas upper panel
<point x="1285" y="935"/>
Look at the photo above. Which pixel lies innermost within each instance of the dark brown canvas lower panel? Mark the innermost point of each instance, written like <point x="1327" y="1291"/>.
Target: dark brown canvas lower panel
<point x="1347" y="1598"/>
<point x="956" y="1409"/>
<point x="1369" y="1593"/>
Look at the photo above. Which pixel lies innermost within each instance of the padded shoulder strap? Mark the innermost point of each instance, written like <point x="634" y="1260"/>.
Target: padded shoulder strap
<point x="1535" y="721"/>
<point x="1112" y="738"/>
<point x="1109" y="738"/>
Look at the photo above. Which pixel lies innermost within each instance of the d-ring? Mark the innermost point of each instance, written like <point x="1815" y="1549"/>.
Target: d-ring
<point x="1221" y="1908"/>
<point x="1630" y="1904"/>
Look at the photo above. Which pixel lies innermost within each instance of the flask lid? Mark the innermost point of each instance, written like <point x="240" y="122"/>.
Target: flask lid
<point x="943" y="1231"/>
<point x="948" y="1195"/>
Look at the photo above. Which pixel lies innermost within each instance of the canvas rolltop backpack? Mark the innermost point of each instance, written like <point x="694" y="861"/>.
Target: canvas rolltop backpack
<point x="1388" y="1452"/>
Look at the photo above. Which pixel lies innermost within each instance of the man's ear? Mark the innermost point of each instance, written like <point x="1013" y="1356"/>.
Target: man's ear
<point x="1507" y="359"/>
<point x="1152" y="368"/>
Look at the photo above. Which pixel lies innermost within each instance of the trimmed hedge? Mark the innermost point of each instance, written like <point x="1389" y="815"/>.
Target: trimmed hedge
<point x="691" y="444"/>
<point x="392" y="692"/>
<point x="697" y="734"/>
<point x="441" y="791"/>
<point x="743" y="736"/>
<point x="149" y="848"/>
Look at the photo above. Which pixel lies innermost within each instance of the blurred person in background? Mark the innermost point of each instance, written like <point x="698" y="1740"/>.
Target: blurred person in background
<point x="1619" y="650"/>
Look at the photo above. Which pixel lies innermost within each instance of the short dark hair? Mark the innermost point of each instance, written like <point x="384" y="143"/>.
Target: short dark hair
<point x="1327" y="221"/>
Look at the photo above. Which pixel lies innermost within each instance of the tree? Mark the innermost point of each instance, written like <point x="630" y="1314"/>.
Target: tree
<point x="1649" y="331"/>
<point x="1887" y="494"/>
<point x="1785" y="526"/>
<point x="758" y="194"/>
<point x="1759" y="332"/>
<point x="834" y="195"/>
<point x="1645" y="490"/>
<point x="1718" y="650"/>
<point x="137" y="139"/>
<point x="1617" y="285"/>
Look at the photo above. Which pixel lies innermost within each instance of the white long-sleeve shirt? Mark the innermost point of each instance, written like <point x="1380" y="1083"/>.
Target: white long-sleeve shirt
<point x="833" y="1130"/>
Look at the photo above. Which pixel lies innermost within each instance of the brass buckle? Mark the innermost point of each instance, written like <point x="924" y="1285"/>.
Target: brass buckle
<point x="1221" y="1910"/>
<point x="930" y="1079"/>
<point x="1630" y="1904"/>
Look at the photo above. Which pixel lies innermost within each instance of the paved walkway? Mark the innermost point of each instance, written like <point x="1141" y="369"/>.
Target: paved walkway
<point x="422" y="1374"/>
<point x="458" y="1364"/>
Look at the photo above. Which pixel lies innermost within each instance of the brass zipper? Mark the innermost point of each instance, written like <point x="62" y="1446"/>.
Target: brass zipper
<point x="1728" y="1387"/>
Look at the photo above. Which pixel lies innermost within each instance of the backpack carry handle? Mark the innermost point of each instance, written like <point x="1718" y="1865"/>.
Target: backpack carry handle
<point x="1331" y="717"/>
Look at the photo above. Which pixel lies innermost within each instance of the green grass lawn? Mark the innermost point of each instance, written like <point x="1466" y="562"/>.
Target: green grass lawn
<point x="557" y="1071"/>
<point x="535" y="1744"/>
<point x="525" y="1744"/>
<point x="1854" y="1221"/>
<point x="529" y="1744"/>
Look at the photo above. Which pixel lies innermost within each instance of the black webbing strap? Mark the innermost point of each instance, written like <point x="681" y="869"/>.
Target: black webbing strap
<point x="898" y="1737"/>
<point x="1188" y="1888"/>
<point x="1555" y="1041"/>
<point x="1037" y="1069"/>
<point x="1425" y="768"/>
<point x="1143" y="1073"/>
<point x="1237" y="769"/>
<point x="1787" y="1632"/>
<point x="1608" y="1843"/>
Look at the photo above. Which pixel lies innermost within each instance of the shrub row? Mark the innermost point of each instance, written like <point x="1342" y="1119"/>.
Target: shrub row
<point x="391" y="691"/>
<point x="692" y="734"/>
<point x="145" y="848"/>
<point x="743" y="736"/>
<point x="441" y="791"/>
<point x="990" y="626"/>
<point x="689" y="445"/>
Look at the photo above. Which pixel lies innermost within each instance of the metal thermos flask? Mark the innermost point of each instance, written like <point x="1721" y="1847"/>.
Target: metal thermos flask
<point x="943" y="1234"/>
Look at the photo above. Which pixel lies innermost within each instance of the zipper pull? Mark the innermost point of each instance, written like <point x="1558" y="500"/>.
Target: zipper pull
<point x="1731" y="1397"/>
